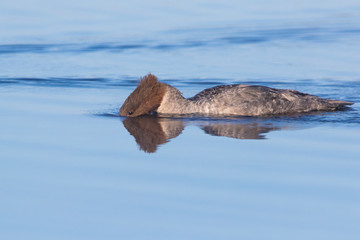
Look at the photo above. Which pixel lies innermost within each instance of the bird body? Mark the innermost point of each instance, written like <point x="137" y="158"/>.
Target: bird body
<point x="238" y="99"/>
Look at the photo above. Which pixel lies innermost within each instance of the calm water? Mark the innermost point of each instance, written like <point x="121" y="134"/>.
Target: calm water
<point x="70" y="169"/>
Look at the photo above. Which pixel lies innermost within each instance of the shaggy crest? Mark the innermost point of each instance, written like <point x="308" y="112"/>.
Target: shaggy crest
<point x="145" y="98"/>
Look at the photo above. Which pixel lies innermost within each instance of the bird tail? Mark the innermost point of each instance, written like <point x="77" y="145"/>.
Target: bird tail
<point x="339" y="104"/>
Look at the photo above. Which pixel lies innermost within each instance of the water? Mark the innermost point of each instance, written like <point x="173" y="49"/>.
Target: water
<point x="71" y="170"/>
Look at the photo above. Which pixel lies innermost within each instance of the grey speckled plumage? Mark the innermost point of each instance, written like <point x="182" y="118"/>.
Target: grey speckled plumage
<point x="239" y="99"/>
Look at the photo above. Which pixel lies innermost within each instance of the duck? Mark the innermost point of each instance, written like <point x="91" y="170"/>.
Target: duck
<point x="152" y="96"/>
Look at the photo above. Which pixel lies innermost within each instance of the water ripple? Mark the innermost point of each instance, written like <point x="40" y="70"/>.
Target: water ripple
<point x="70" y="82"/>
<point x="228" y="37"/>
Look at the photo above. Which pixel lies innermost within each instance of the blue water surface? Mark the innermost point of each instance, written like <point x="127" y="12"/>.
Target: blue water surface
<point x="71" y="169"/>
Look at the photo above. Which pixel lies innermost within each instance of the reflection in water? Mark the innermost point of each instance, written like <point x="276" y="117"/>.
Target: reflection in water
<point x="239" y="131"/>
<point x="151" y="131"/>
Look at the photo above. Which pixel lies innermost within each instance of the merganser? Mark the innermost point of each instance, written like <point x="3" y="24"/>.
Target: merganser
<point x="239" y="99"/>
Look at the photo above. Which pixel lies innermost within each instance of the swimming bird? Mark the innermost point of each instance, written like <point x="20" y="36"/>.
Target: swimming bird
<point x="152" y="96"/>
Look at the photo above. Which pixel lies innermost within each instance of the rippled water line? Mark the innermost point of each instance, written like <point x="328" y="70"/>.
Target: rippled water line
<point x="132" y="81"/>
<point x="236" y="37"/>
<point x="70" y="82"/>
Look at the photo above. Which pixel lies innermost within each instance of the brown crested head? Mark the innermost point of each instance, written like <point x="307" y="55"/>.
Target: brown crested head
<point x="145" y="99"/>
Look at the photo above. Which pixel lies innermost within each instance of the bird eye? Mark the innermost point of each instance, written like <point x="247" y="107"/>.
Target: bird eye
<point x="130" y="113"/>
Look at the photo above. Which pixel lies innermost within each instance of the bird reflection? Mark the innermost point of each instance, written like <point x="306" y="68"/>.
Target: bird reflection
<point x="239" y="131"/>
<point x="151" y="131"/>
